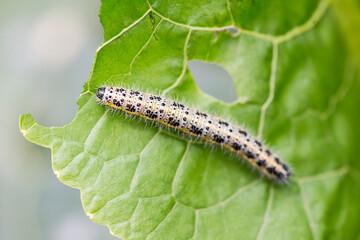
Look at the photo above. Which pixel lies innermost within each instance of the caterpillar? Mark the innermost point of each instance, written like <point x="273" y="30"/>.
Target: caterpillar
<point x="197" y="124"/>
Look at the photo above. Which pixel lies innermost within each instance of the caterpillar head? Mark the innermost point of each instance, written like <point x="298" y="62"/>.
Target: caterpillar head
<point x="100" y="93"/>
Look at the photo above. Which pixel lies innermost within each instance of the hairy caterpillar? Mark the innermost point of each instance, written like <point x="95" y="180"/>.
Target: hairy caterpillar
<point x="196" y="123"/>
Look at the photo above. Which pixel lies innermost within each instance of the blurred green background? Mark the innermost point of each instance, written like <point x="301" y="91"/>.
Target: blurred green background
<point x="47" y="50"/>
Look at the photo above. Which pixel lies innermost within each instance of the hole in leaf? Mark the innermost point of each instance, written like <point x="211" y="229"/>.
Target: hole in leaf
<point x="214" y="80"/>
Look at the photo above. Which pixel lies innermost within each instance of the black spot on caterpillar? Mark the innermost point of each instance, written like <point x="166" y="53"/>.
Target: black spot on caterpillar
<point x="196" y="123"/>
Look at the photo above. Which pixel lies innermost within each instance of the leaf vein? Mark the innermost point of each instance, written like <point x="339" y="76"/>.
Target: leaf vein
<point x="307" y="212"/>
<point x="152" y="232"/>
<point x="92" y="129"/>
<point x="267" y="212"/>
<point x="184" y="66"/>
<point x="323" y="176"/>
<point x="312" y="21"/>
<point x="179" y="167"/>
<point x="271" y="90"/>
<point x="123" y="31"/>
<point x="143" y="47"/>
<point x="240" y="190"/>
<point x="144" y="149"/>
<point x="230" y="13"/>
<point x="195" y="224"/>
<point x="334" y="100"/>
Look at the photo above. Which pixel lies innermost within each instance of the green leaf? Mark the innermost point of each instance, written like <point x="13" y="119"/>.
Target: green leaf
<point x="298" y="88"/>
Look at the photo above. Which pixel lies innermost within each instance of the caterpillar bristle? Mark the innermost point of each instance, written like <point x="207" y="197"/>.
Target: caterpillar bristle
<point x="196" y="124"/>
